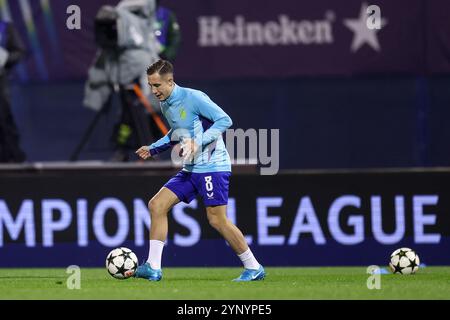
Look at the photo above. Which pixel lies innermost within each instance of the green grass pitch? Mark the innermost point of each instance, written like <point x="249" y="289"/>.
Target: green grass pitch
<point x="215" y="283"/>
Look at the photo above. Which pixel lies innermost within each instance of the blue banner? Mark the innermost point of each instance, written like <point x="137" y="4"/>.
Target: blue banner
<point x="77" y="217"/>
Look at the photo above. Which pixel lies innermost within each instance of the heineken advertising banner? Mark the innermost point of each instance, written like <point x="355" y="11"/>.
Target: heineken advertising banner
<point x="227" y="39"/>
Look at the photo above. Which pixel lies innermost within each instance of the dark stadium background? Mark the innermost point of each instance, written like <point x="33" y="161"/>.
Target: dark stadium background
<point x="366" y="122"/>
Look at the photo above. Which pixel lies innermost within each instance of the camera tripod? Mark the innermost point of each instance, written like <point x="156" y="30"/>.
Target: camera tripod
<point x="134" y="104"/>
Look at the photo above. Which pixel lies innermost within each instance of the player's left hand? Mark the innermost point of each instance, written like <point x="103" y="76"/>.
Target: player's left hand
<point x="188" y="149"/>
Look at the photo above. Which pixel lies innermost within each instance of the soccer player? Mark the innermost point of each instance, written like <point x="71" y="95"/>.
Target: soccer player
<point x="197" y="123"/>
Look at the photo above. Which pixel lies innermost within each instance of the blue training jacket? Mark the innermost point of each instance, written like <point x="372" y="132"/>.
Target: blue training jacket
<point x="192" y="114"/>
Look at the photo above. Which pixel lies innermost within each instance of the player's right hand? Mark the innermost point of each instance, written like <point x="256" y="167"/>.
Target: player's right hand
<point x="144" y="152"/>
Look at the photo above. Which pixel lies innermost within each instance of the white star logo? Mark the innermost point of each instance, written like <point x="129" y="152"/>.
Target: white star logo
<point x="361" y="33"/>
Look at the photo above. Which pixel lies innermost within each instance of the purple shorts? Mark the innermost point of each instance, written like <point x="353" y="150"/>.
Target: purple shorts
<point x="212" y="187"/>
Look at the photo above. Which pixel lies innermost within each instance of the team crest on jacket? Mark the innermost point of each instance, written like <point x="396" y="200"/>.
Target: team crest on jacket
<point x="183" y="113"/>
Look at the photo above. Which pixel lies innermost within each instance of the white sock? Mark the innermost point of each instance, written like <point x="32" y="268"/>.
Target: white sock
<point x="249" y="260"/>
<point x="155" y="253"/>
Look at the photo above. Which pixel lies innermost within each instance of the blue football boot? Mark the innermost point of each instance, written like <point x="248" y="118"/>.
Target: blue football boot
<point x="146" y="272"/>
<point x="252" y="275"/>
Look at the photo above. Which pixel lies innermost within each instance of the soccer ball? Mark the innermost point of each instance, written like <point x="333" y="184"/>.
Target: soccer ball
<point x="404" y="261"/>
<point x="121" y="263"/>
